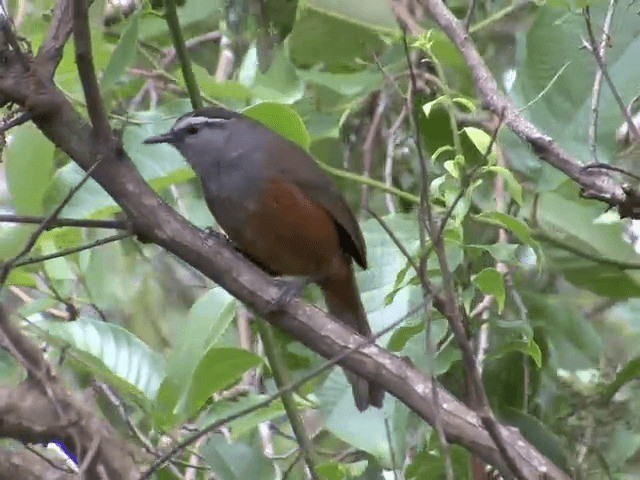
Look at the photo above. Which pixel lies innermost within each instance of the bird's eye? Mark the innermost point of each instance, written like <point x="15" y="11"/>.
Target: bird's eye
<point x="192" y="130"/>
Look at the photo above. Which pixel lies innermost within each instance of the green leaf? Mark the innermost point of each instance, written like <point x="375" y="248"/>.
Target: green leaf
<point x="56" y="268"/>
<point x="364" y="430"/>
<point x="111" y="352"/>
<point x="466" y="103"/>
<point x="402" y="335"/>
<point x="515" y="226"/>
<point x="209" y="318"/>
<point x="20" y="277"/>
<point x="373" y="13"/>
<point x="629" y="372"/>
<point x="490" y="282"/>
<point x="429" y="463"/>
<point x="237" y="460"/>
<point x="13" y="238"/>
<point x="220" y="367"/>
<point x="282" y="120"/>
<point x="248" y="422"/>
<point x="339" y="44"/>
<point x="481" y="140"/>
<point x="29" y="166"/>
<point x="539" y="434"/>
<point x="348" y="84"/>
<point x="91" y="201"/>
<point x="123" y="55"/>
<point x="563" y="219"/>
<point x="513" y="186"/>
<point x="278" y="84"/>
<point x="564" y="108"/>
<point x="429" y="106"/>
<point x="502" y="252"/>
<point x="528" y="347"/>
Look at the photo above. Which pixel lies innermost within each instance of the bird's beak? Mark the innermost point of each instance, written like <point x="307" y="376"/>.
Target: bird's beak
<point x="162" y="138"/>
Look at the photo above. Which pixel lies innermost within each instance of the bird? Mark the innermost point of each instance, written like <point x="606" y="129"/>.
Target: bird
<point x="281" y="210"/>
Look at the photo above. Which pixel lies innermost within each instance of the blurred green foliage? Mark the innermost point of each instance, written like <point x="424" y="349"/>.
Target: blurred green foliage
<point x="562" y="330"/>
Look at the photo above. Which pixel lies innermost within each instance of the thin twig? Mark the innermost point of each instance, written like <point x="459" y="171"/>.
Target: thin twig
<point x="471" y="175"/>
<point x="89" y="457"/>
<point x="425" y="216"/>
<point x="20" y="119"/>
<point x="593" y="47"/>
<point x="117" y="402"/>
<point x="6" y="267"/>
<point x="454" y="314"/>
<point x="594" y="186"/>
<point x="339" y="173"/>
<point x="51" y="49"/>
<point x="468" y="18"/>
<point x="392" y="135"/>
<point x="171" y="55"/>
<point x="171" y="16"/>
<point x="87" y="73"/>
<point x="39" y="454"/>
<point x="392" y="453"/>
<point x="282" y="378"/>
<point x="72" y="250"/>
<point x="597" y="82"/>
<point x="499" y="15"/>
<point x="368" y="147"/>
<point x="67" y="222"/>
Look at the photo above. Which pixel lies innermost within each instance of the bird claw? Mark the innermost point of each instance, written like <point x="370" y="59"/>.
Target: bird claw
<point x="290" y="289"/>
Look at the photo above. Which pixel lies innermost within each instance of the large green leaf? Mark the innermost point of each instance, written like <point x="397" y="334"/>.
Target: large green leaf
<point x="193" y="15"/>
<point x="584" y="249"/>
<point x="29" y="165"/>
<point x="539" y="434"/>
<point x="208" y="319"/>
<point x="89" y="201"/>
<point x="281" y="119"/>
<point x="123" y="55"/>
<point x="373" y="13"/>
<point x="237" y="460"/>
<point x="220" y="367"/>
<point x="280" y="83"/>
<point x="563" y="110"/>
<point x="112" y="353"/>
<point x="338" y="43"/>
<point x="247" y="422"/>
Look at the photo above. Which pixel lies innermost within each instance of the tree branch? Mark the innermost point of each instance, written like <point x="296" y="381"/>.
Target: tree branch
<point x="30" y="412"/>
<point x="26" y="465"/>
<point x="597" y="185"/>
<point x="87" y="72"/>
<point x="50" y="52"/>
<point x="171" y="16"/>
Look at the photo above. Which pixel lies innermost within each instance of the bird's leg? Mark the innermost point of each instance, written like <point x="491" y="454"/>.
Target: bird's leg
<point x="290" y="289"/>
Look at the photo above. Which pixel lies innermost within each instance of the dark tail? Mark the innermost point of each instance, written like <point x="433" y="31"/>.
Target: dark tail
<point x="343" y="302"/>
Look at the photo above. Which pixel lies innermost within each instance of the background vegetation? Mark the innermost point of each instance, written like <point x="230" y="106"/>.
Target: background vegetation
<point x="547" y="280"/>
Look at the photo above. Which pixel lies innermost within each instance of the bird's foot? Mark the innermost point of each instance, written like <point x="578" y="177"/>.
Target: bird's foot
<point x="289" y="290"/>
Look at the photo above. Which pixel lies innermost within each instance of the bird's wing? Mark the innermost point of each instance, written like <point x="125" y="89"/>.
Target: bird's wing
<point x="297" y="166"/>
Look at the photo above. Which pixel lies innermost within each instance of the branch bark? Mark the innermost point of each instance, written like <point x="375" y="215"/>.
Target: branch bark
<point x="26" y="465"/>
<point x="40" y="409"/>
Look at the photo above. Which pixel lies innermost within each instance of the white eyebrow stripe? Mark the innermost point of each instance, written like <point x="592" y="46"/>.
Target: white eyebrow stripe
<point x="191" y="121"/>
